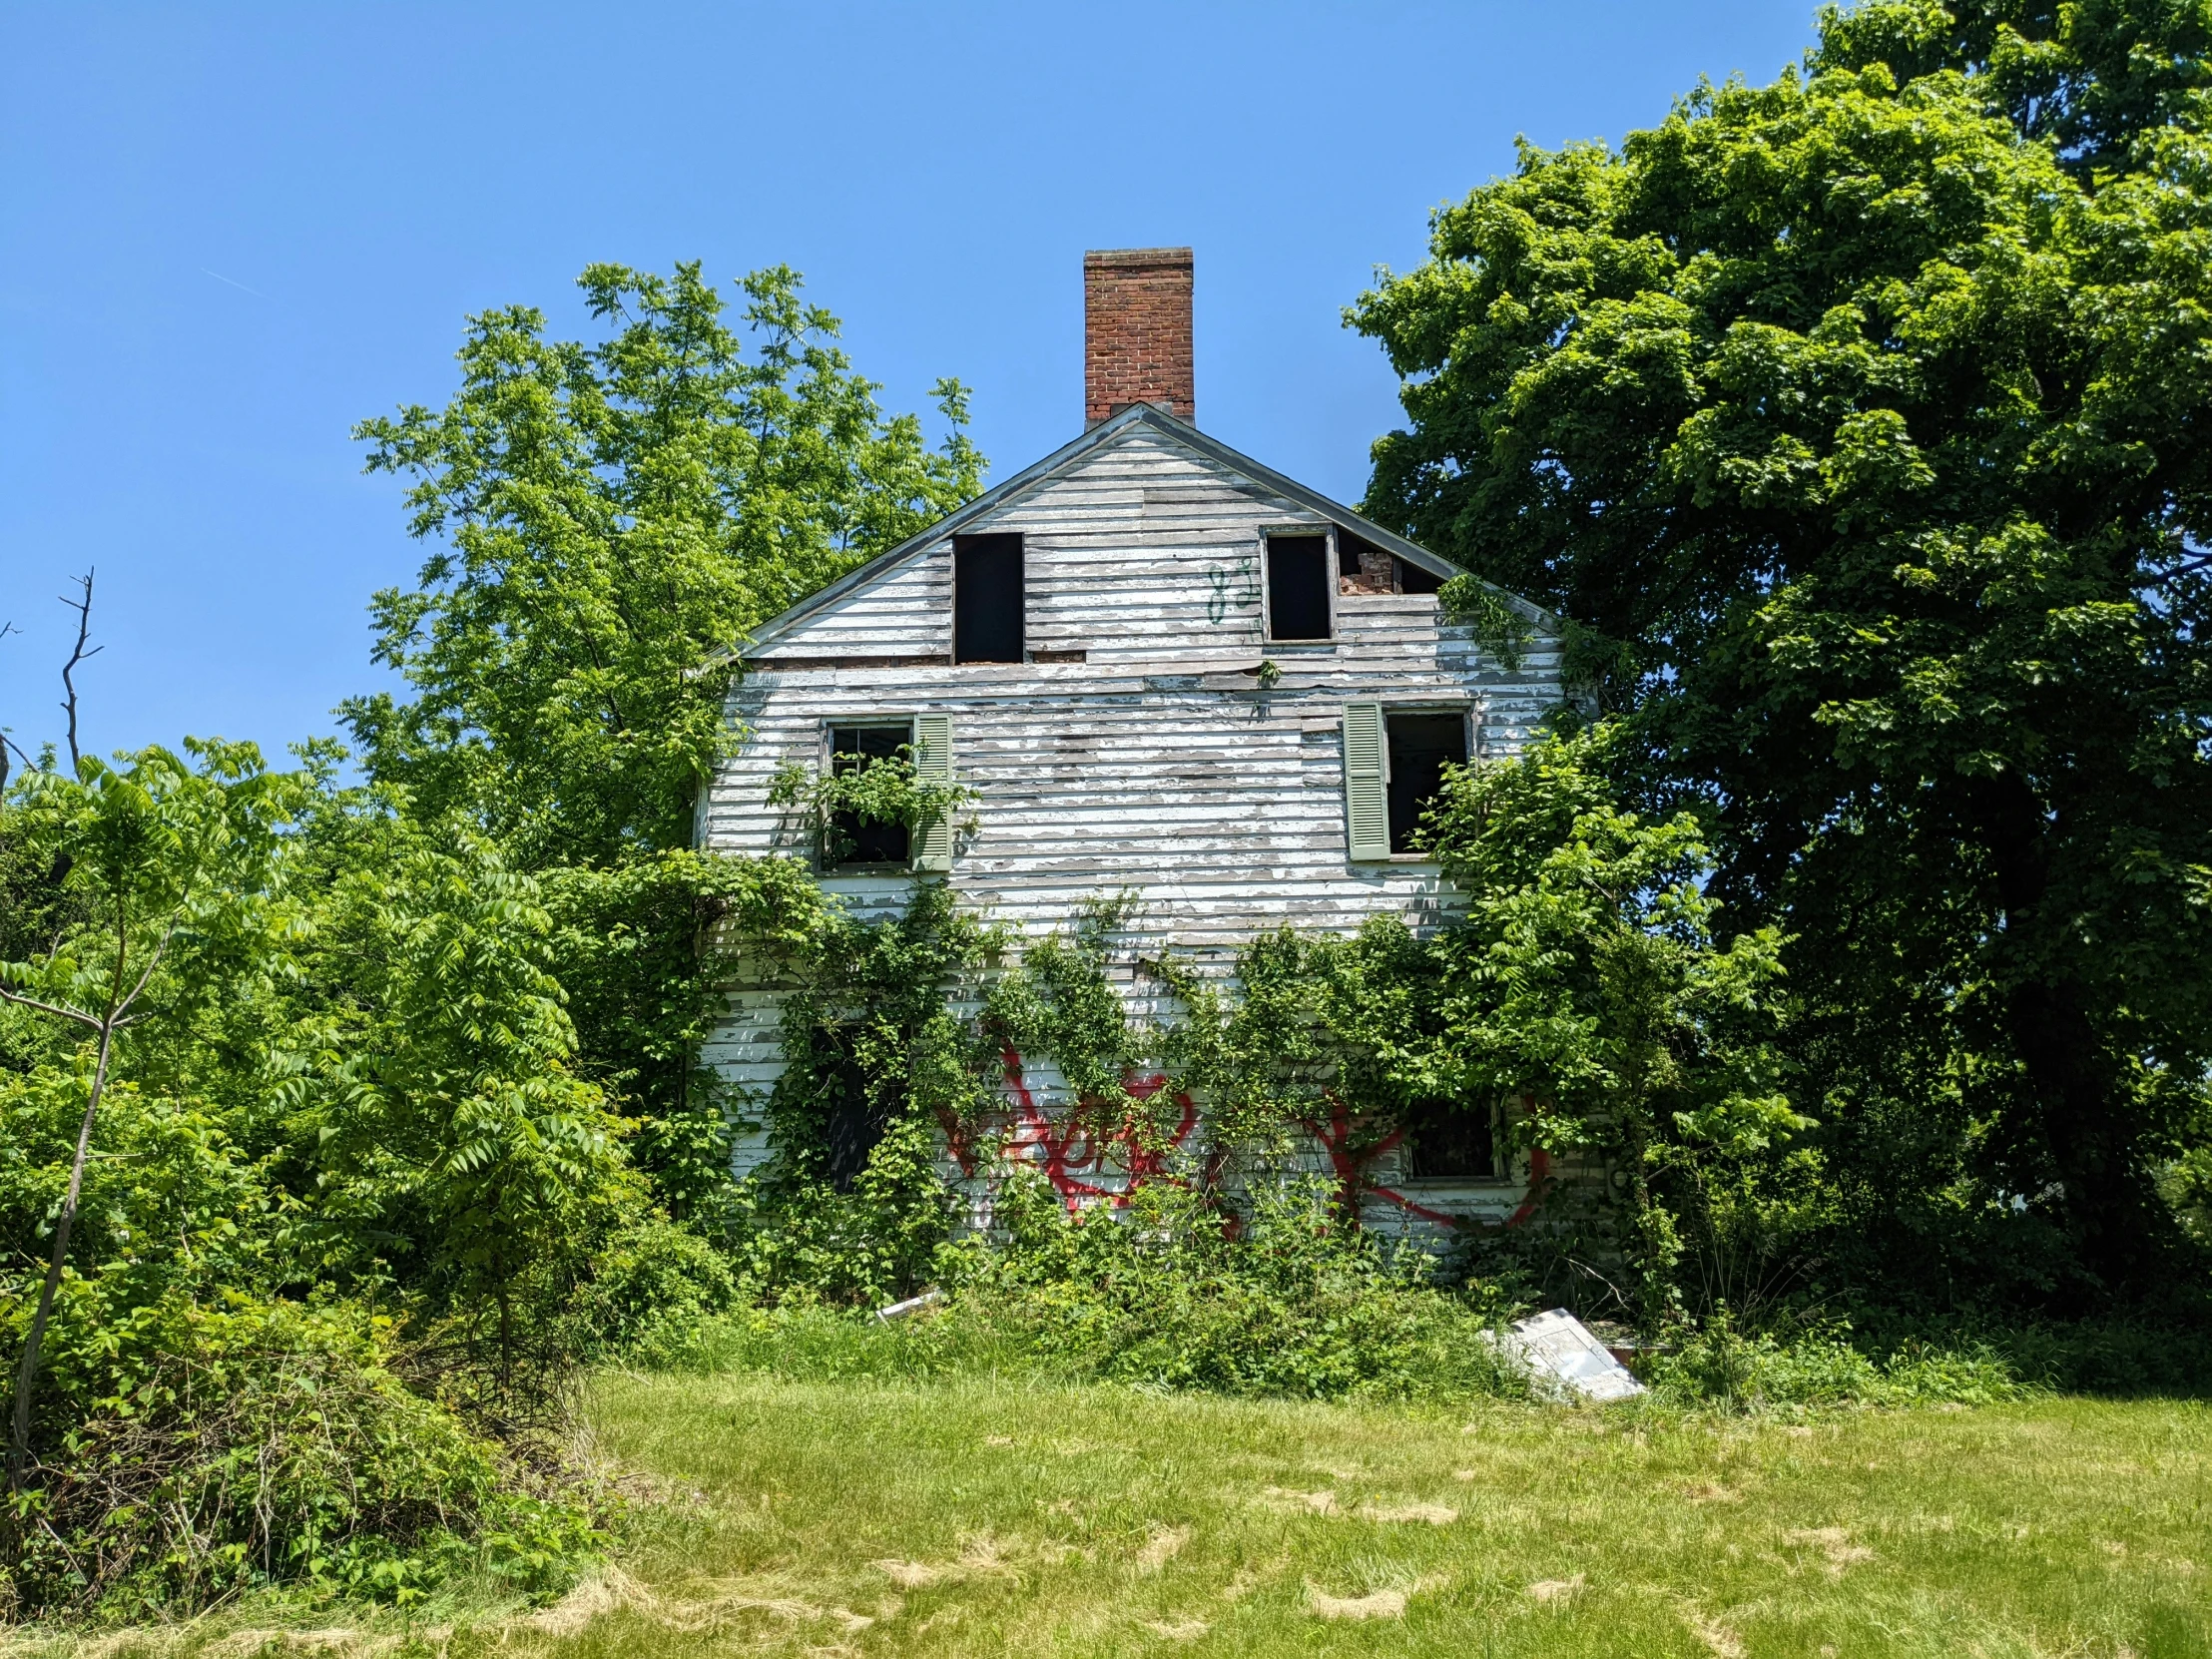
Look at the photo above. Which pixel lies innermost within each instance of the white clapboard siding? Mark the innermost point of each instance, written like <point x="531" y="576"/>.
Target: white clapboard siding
<point x="1159" y="764"/>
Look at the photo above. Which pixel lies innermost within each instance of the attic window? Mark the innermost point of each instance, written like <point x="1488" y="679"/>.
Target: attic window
<point x="986" y="599"/>
<point x="1420" y="747"/>
<point x="1449" y="1141"/>
<point x="854" y="839"/>
<point x="1298" y="588"/>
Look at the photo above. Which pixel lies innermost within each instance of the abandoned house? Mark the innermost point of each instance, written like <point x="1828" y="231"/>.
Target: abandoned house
<point x="1162" y="669"/>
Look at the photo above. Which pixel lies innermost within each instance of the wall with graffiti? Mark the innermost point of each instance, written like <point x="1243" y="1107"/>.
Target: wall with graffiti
<point x="1091" y="1161"/>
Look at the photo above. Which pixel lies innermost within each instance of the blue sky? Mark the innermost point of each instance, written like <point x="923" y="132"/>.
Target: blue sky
<point x="227" y="233"/>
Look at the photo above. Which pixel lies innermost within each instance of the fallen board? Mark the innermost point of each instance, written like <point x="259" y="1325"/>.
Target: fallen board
<point x="1558" y="1347"/>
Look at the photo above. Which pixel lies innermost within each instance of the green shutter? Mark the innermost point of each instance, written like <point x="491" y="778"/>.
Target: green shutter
<point x="1367" y="795"/>
<point x="933" y="764"/>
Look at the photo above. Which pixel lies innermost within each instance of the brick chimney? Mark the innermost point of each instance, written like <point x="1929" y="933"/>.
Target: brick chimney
<point x="1137" y="331"/>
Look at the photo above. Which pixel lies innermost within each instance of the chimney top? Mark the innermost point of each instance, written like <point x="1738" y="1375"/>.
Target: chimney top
<point x="1137" y="331"/>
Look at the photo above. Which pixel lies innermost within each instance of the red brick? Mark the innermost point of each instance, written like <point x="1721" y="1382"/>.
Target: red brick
<point x="1137" y="331"/>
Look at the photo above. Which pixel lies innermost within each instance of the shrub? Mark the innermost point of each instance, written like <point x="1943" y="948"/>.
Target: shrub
<point x="1291" y="1300"/>
<point x="222" y="1449"/>
<point x="655" y="1278"/>
<point x="1725" y="1367"/>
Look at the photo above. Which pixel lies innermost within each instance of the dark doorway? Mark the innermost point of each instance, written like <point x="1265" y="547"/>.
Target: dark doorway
<point x="986" y="599"/>
<point x="1446" y="1141"/>
<point x="855" y="839"/>
<point x="1420" y="748"/>
<point x="854" y="1125"/>
<point x="1298" y="587"/>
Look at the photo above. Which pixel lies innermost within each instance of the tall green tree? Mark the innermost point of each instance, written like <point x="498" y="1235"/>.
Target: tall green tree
<point x="610" y="519"/>
<point x="1858" y="422"/>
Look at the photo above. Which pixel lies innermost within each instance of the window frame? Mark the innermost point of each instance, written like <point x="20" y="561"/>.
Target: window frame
<point x="1021" y="600"/>
<point x="825" y="761"/>
<point x="1325" y="533"/>
<point x="1466" y="710"/>
<point x="1515" y="1166"/>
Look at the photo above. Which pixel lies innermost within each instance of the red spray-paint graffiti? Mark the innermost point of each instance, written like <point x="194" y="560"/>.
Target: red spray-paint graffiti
<point x="1349" y="1159"/>
<point x="1075" y="1154"/>
<point x="1074" y="1147"/>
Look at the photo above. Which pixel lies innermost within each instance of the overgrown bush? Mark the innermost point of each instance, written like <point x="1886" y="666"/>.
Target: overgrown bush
<point x="278" y="1058"/>
<point x="1750" y="1370"/>
<point x="1168" y="1293"/>
<point x="217" y="1449"/>
<point x="654" y="1278"/>
<point x="1286" y="1299"/>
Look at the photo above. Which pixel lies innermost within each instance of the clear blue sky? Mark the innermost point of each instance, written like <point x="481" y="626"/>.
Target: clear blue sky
<point x="227" y="233"/>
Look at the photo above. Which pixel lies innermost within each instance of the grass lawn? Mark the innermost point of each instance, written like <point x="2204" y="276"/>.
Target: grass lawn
<point x="980" y="1517"/>
<point x="976" y="1518"/>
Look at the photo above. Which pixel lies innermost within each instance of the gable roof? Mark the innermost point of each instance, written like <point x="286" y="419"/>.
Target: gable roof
<point x="1063" y="458"/>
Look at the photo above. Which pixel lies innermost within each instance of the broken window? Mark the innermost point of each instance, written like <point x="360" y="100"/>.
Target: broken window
<point x="1446" y="1140"/>
<point x="1420" y="745"/>
<point x="986" y="599"/>
<point x="855" y="839"/>
<point x="1298" y="588"/>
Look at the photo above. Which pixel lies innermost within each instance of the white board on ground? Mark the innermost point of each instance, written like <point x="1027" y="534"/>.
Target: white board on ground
<point x="1557" y="1345"/>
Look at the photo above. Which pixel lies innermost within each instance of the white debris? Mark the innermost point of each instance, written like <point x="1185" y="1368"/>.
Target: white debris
<point x="1556" y="1346"/>
<point x="912" y="1305"/>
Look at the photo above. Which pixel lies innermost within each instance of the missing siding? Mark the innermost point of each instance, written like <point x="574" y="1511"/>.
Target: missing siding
<point x="1413" y="578"/>
<point x="988" y="583"/>
<point x="1363" y="567"/>
<point x="1298" y="588"/>
<point x="1059" y="656"/>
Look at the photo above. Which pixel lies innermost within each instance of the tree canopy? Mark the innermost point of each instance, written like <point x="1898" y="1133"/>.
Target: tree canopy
<point x="610" y="519"/>
<point x="613" y="516"/>
<point x="1858" y="422"/>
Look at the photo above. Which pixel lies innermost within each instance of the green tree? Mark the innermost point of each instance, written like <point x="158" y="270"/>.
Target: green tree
<point x="613" y="518"/>
<point x="2087" y="76"/>
<point x="1856" y="424"/>
<point x="1590" y="978"/>
<point x="168" y="861"/>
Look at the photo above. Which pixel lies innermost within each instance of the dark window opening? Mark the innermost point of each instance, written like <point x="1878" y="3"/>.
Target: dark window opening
<point x="1449" y="1141"/>
<point x="1413" y="578"/>
<point x="855" y="839"/>
<point x="1298" y="588"/>
<point x="854" y="1120"/>
<point x="1348" y="552"/>
<point x="1420" y="748"/>
<point x="986" y="599"/>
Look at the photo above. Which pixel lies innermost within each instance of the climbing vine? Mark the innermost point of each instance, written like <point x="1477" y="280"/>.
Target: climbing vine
<point x="887" y="791"/>
<point x="1499" y="628"/>
<point x="1583" y="982"/>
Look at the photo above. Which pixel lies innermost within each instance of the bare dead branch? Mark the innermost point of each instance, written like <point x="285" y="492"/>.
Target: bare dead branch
<point x="82" y="605"/>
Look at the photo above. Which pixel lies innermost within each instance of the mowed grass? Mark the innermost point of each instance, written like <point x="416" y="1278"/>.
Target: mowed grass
<point x="980" y="1517"/>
